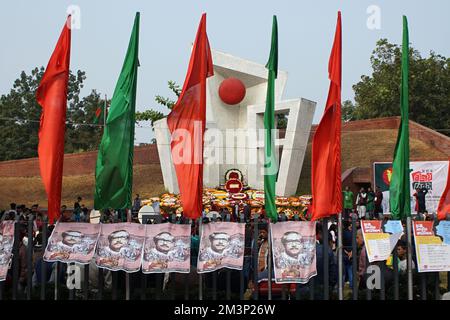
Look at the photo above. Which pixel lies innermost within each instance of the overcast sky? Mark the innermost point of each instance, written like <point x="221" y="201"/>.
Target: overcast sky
<point x="29" y="30"/>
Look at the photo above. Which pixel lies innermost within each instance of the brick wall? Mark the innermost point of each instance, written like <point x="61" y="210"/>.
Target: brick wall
<point x="74" y="164"/>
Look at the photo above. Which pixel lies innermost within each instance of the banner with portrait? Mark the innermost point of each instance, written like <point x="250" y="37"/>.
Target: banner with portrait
<point x="222" y="245"/>
<point x="120" y="246"/>
<point x="167" y="248"/>
<point x="72" y="242"/>
<point x="6" y="247"/>
<point x="294" y="251"/>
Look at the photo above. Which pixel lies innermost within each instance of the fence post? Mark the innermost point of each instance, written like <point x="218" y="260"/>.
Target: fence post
<point x="409" y="268"/>
<point x="326" y="281"/>
<point x="395" y="266"/>
<point x="448" y="273"/>
<point x="423" y="285"/>
<point x="354" y="260"/>
<point x="241" y="274"/>
<point x="43" y="263"/>
<point x="200" y="278"/>
<point x="86" y="282"/>
<point x="228" y="271"/>
<point x="15" y="265"/>
<point x="100" y="284"/>
<point x="340" y="261"/>
<point x="29" y="256"/>
<point x="255" y="258"/>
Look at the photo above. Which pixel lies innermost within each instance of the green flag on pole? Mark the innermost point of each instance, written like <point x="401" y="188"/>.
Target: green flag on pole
<point x="271" y="164"/>
<point x="399" y="197"/>
<point x="114" y="169"/>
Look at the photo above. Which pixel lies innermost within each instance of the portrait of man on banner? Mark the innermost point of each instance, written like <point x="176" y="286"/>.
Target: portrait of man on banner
<point x="294" y="251"/>
<point x="221" y="246"/>
<point x="72" y="242"/>
<point x="6" y="246"/>
<point x="120" y="247"/>
<point x="167" y="248"/>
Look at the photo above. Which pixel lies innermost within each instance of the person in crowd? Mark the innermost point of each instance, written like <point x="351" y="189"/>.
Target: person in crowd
<point x="136" y="204"/>
<point x="77" y="210"/>
<point x="348" y="202"/>
<point x="362" y="261"/>
<point x="421" y="203"/>
<point x="370" y="203"/>
<point x="402" y="261"/>
<point x="66" y="215"/>
<point x="347" y="239"/>
<point x="378" y="203"/>
<point x="361" y="202"/>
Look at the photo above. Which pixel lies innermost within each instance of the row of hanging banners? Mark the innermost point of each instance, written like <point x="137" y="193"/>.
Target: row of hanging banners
<point x="166" y="247"/>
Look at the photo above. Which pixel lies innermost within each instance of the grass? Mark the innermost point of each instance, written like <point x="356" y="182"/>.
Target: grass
<point x="147" y="182"/>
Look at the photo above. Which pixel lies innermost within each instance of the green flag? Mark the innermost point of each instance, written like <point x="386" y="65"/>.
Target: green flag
<point x="271" y="164"/>
<point x="399" y="197"/>
<point x="114" y="169"/>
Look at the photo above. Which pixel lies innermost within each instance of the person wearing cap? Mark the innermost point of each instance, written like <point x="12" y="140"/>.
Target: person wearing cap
<point x="71" y="242"/>
<point x="120" y="246"/>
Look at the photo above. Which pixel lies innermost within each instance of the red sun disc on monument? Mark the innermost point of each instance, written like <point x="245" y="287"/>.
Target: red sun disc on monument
<point x="232" y="91"/>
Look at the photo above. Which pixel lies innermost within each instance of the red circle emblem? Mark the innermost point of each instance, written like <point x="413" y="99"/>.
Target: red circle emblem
<point x="234" y="186"/>
<point x="232" y="91"/>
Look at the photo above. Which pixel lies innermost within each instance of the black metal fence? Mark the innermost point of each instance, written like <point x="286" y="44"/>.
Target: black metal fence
<point x="32" y="278"/>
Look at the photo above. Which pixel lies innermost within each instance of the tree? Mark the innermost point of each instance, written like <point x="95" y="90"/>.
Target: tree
<point x="20" y="117"/>
<point x="378" y="95"/>
<point x="153" y="115"/>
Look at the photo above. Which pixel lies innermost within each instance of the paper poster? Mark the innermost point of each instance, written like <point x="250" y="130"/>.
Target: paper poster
<point x="429" y="175"/>
<point x="294" y="251"/>
<point x="6" y="247"/>
<point x="222" y="245"/>
<point x="167" y="248"/>
<point x="72" y="242"/>
<point x="120" y="246"/>
<point x="379" y="244"/>
<point x="433" y="252"/>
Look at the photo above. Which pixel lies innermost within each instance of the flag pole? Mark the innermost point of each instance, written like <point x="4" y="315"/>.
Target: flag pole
<point x="410" y="279"/>
<point x="340" y="267"/>
<point x="104" y="112"/>
<point x="269" y="265"/>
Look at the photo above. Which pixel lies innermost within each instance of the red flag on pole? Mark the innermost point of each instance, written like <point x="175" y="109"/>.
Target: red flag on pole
<point x="326" y="148"/>
<point x="52" y="96"/>
<point x="187" y="122"/>
<point x="444" y="203"/>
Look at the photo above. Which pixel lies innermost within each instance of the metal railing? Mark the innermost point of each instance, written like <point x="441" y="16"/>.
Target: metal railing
<point x="28" y="277"/>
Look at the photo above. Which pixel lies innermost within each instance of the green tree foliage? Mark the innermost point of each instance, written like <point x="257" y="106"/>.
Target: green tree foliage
<point x="20" y="117"/>
<point x="153" y="115"/>
<point x="378" y="95"/>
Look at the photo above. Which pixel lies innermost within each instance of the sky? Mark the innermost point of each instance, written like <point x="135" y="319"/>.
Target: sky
<point x="29" y="31"/>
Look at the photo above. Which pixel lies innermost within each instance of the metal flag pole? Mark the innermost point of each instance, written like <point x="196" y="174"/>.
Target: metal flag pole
<point x="269" y="266"/>
<point x="127" y="275"/>
<point x="340" y="267"/>
<point x="104" y="112"/>
<point x="410" y="279"/>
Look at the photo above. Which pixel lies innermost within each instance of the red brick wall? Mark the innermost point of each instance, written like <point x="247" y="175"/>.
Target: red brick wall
<point x="74" y="164"/>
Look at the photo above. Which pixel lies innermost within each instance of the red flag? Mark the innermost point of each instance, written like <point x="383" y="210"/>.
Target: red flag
<point x="52" y="96"/>
<point x="444" y="203"/>
<point x="326" y="148"/>
<point x="187" y="122"/>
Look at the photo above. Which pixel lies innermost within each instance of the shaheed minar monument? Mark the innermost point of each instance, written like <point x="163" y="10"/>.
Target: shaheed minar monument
<point x="234" y="137"/>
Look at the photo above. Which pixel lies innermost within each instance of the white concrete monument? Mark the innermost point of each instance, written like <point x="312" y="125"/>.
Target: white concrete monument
<point x="234" y="137"/>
